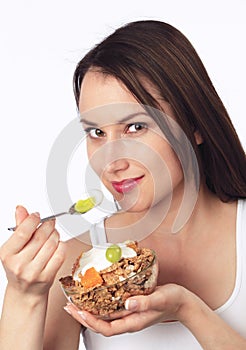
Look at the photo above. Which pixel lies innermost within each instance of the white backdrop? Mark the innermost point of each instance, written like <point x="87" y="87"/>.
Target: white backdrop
<point x="41" y="42"/>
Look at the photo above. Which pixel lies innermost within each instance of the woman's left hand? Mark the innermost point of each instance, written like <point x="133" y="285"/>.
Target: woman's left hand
<point x="168" y="303"/>
<point x="164" y="304"/>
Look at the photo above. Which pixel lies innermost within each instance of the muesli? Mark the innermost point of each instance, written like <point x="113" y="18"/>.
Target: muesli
<point x="101" y="287"/>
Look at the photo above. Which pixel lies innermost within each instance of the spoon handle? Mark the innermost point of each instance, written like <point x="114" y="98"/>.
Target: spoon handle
<point x="93" y="196"/>
<point x="51" y="217"/>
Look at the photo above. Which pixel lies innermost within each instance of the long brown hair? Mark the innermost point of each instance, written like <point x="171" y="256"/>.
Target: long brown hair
<point x="162" y="55"/>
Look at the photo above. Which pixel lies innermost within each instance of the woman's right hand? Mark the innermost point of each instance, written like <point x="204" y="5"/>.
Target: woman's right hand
<point x="32" y="255"/>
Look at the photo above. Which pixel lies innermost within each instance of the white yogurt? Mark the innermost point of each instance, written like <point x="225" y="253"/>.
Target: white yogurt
<point x="96" y="257"/>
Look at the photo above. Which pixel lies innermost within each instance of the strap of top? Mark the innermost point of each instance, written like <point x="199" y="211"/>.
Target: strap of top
<point x="98" y="233"/>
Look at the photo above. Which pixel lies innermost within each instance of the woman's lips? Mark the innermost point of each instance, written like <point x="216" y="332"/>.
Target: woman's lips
<point x="126" y="185"/>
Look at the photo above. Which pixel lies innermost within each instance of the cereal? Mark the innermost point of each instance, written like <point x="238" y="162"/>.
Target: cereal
<point x="128" y="277"/>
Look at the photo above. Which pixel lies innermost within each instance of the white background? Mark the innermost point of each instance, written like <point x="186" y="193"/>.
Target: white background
<point x="41" y="42"/>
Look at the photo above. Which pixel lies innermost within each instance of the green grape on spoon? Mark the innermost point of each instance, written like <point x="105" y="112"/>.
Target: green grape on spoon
<point x="92" y="199"/>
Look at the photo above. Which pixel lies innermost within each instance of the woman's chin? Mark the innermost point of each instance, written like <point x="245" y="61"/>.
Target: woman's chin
<point x="136" y="207"/>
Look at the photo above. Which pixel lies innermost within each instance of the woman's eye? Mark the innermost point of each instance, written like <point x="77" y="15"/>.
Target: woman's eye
<point x="136" y="127"/>
<point x="94" y="133"/>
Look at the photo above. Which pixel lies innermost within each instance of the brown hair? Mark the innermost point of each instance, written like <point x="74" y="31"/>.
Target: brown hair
<point x="161" y="54"/>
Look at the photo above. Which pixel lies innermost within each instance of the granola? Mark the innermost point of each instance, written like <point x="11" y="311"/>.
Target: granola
<point x="130" y="276"/>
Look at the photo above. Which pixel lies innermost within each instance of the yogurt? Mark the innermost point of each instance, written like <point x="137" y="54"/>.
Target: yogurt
<point x="96" y="257"/>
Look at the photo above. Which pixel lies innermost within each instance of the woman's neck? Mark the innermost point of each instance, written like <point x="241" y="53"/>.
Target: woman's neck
<point x="206" y="213"/>
<point x="161" y="219"/>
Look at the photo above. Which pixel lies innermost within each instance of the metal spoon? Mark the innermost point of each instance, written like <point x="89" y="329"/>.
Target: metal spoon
<point x="97" y="196"/>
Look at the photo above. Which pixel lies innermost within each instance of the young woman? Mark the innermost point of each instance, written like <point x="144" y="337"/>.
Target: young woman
<point x="157" y="134"/>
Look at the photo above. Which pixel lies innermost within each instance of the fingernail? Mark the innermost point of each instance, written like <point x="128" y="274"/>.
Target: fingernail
<point x="67" y="310"/>
<point x="36" y="214"/>
<point x="82" y="315"/>
<point x="131" y="304"/>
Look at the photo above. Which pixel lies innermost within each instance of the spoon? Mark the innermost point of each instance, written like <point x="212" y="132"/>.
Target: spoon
<point x="82" y="206"/>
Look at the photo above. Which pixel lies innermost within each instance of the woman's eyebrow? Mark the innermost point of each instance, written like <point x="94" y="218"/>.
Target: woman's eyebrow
<point x="88" y="122"/>
<point x="123" y="120"/>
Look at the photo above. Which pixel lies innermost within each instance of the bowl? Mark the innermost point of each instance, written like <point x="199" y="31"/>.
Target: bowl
<point x="108" y="301"/>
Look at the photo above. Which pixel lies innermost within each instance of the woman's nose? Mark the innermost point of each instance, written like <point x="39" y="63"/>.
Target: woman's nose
<point x="116" y="165"/>
<point x="116" y="155"/>
<point x="111" y="157"/>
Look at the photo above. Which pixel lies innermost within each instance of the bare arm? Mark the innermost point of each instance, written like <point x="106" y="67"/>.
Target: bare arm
<point x="22" y="316"/>
<point x="209" y="329"/>
<point x="61" y="330"/>
<point x="31" y="257"/>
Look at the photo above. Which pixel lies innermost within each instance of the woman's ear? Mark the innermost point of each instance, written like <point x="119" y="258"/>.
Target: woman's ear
<point x="198" y="137"/>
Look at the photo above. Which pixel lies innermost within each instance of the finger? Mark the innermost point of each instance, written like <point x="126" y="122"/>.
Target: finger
<point x="107" y="328"/>
<point x="37" y="241"/>
<point x="20" y="214"/>
<point x="47" y="250"/>
<point x="141" y="303"/>
<point x="137" y="304"/>
<point x="131" y="323"/>
<point x="22" y="234"/>
<point x="46" y="265"/>
<point x="77" y="315"/>
<point x="55" y="262"/>
<point x="128" y="324"/>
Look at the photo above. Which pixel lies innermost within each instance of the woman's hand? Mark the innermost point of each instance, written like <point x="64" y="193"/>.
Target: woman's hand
<point x="32" y="255"/>
<point x="164" y="304"/>
<point x="168" y="303"/>
<point x="31" y="258"/>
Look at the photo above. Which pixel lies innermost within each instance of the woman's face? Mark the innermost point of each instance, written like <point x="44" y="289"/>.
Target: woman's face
<point x="125" y="146"/>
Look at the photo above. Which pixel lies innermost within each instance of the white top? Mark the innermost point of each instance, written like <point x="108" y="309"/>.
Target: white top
<point x="173" y="335"/>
